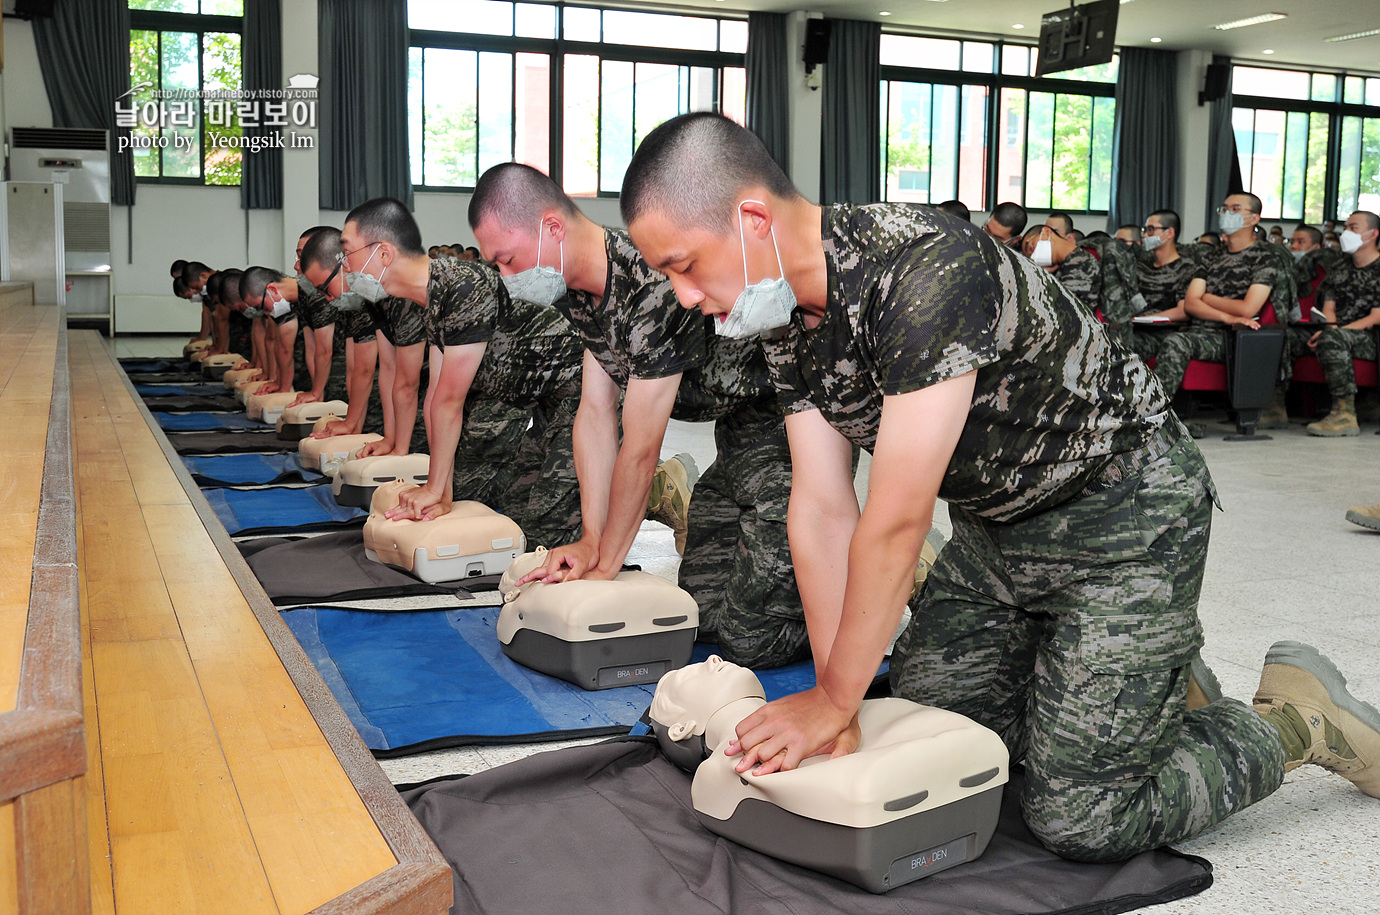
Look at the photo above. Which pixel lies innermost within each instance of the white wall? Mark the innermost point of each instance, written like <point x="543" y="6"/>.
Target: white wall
<point x="26" y="102"/>
<point x="1193" y="143"/>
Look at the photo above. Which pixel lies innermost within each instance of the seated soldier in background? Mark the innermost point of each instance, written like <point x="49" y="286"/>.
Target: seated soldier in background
<point x="1129" y="235"/>
<point x="400" y="342"/>
<point x="1164" y="279"/>
<point x="956" y="208"/>
<point x="1211" y="239"/>
<point x="1314" y="263"/>
<point x="661" y="362"/>
<point x="1351" y="303"/>
<point x="1060" y="222"/>
<point x="1006" y="224"/>
<point x="1101" y="272"/>
<point x="484" y="345"/>
<point x="1231" y="287"/>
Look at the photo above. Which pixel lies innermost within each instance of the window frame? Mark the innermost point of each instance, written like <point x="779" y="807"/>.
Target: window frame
<point x="1336" y="111"/>
<point x="556" y="49"/>
<point x="994" y="82"/>
<point x="199" y="24"/>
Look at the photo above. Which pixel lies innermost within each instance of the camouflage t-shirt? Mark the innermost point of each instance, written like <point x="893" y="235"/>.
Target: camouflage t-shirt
<point x="1231" y="274"/>
<point x="1164" y="287"/>
<point x="316" y="310"/>
<point x="1118" y="284"/>
<point x="642" y="332"/>
<point x="398" y="320"/>
<point x="1356" y="290"/>
<point x="917" y="297"/>
<point x="358" y="326"/>
<point x="1079" y="274"/>
<point x="532" y="353"/>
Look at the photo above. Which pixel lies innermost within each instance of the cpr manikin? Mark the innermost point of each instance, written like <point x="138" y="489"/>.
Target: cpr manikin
<point x="921" y="793"/>
<point x="295" y="423"/>
<point x="596" y="634"/>
<point x="256" y="404"/>
<point x="215" y="367"/>
<point x="325" y="455"/>
<point x="231" y="378"/>
<point x="355" y="482"/>
<point x="468" y="541"/>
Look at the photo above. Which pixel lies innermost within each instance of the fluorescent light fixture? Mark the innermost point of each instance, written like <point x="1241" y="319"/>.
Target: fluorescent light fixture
<point x="1018" y="26"/>
<point x="884" y="13"/>
<point x="1268" y="51"/>
<point x="1156" y="40"/>
<point x="1253" y="20"/>
<point x="1350" y="35"/>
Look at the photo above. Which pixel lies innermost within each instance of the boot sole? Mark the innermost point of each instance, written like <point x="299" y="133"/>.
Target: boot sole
<point x="1330" y="433"/>
<point x="1363" y="520"/>
<point x="692" y="472"/>
<point x="1310" y="660"/>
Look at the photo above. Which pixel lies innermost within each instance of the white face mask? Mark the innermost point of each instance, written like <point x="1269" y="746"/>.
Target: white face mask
<point x="538" y="285"/>
<point x="1151" y="242"/>
<point x="277" y="308"/>
<point x="1231" y="221"/>
<point x="1351" y="242"/>
<point x="761" y="306"/>
<point x="251" y="312"/>
<point x="195" y="297"/>
<point x="366" y="285"/>
<point x="1043" y="255"/>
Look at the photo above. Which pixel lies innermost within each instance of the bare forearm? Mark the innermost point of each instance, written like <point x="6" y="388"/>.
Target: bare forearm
<point x="404" y="414"/>
<point x="632" y="480"/>
<point x="360" y="381"/>
<point x="819" y="538"/>
<point x="595" y="440"/>
<point x="324" y="353"/>
<point x="445" y="420"/>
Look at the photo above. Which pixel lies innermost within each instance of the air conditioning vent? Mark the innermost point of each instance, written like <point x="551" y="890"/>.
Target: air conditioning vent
<point x="56" y="138"/>
<point x="86" y="227"/>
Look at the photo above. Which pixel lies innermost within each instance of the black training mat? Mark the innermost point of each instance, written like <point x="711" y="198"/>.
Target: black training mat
<point x="191" y="403"/>
<point x="166" y="377"/>
<point x="610" y="828"/>
<point x="245" y="442"/>
<point x="333" y="567"/>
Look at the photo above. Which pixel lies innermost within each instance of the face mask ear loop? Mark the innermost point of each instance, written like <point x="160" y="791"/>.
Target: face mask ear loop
<point x="742" y="243"/>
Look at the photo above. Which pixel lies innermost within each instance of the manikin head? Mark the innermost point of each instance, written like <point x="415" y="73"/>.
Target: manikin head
<point x="687" y="701"/>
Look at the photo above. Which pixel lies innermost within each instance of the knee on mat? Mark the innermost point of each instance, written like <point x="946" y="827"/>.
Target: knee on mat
<point x="776" y="643"/>
<point x="1099" y="832"/>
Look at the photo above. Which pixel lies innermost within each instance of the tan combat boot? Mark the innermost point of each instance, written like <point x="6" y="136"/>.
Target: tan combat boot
<point x="1341" y="421"/>
<point x="1277" y="416"/>
<point x="1304" y="696"/>
<point x="669" y="499"/>
<point x="1365" y="515"/>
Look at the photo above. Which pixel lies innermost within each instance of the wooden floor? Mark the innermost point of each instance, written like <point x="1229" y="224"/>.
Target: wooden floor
<point x="210" y="786"/>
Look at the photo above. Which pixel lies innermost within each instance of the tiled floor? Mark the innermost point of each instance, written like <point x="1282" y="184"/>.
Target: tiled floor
<point x="1283" y="564"/>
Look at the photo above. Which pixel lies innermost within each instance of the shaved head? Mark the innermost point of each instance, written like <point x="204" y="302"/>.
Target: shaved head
<point x="322" y="250"/>
<point x="693" y="169"/>
<point x="386" y="219"/>
<point x="256" y="280"/>
<point x="516" y="195"/>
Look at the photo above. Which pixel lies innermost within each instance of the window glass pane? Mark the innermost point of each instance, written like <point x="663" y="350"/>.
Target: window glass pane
<point x="1324" y="87"/>
<point x="581" y="24"/>
<point x="1349" y="167"/>
<point x="1097" y="73"/>
<point x="532" y="133"/>
<point x="1271" y="83"/>
<point x="1100" y="179"/>
<point x="451" y="109"/>
<point x="580" y="171"/>
<point x="415" y="88"/>
<point x="1267" y="167"/>
<point x="944" y="144"/>
<point x="482" y="17"/>
<point x="1355" y="91"/>
<point x="143" y="69"/>
<point x="1011" y="151"/>
<point x="972" y="148"/>
<point x="182" y="157"/>
<point x="703" y="91"/>
<point x="1072" y="149"/>
<point x="615" y="122"/>
<point x="661" y="92"/>
<point x="167" y="6"/>
<point x="1015" y="60"/>
<point x="733" y="36"/>
<point x="907" y="142"/>
<point x="221" y="8"/>
<point x="495" y="109"/>
<point x="1315" y="186"/>
<point x="659" y="30"/>
<point x="1368" y="197"/>
<point x="1373" y="92"/>
<point x="905" y="50"/>
<point x="1039" y="163"/>
<point x="220" y="67"/>
<point x="977" y="57"/>
<point x="1295" y="164"/>
<point x="734" y="104"/>
<point x="1243" y="126"/>
<point x="535" y="20"/>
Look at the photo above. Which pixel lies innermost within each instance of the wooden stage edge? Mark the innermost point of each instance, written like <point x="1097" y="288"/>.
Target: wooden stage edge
<point x="420" y="883"/>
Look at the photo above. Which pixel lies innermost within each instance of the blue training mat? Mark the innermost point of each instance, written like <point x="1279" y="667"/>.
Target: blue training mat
<point x="206" y="422"/>
<point x="282" y="509"/>
<point x="249" y="469"/>
<point x="420" y="680"/>
<point x="180" y="390"/>
<point x="138" y="365"/>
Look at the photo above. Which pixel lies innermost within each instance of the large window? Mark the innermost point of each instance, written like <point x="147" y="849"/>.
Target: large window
<point x="977" y="125"/>
<point x="1308" y="143"/>
<point x="570" y="90"/>
<point x="179" y="51"/>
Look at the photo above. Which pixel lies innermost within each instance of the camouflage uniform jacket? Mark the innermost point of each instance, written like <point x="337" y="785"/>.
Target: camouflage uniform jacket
<point x="916" y="297"/>
<point x="532" y="352"/>
<point x="1231" y="274"/>
<point x="397" y="319"/>
<point x="316" y="311"/>
<point x="1118" y="282"/>
<point x="639" y="330"/>
<point x="1164" y="287"/>
<point x="1356" y="290"/>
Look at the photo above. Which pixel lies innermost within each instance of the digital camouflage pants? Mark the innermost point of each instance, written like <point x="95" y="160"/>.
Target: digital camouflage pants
<point x="1206" y="342"/>
<point x="737" y="561"/>
<point x="1336" y="349"/>
<point x="542" y="493"/>
<point x="1069" y="633"/>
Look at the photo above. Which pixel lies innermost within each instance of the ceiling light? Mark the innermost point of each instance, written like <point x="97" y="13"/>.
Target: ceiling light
<point x="1350" y="35"/>
<point x="1268" y="51"/>
<point x="1018" y="26"/>
<point x="884" y="13"/>
<point x="1253" y="20"/>
<point x="1156" y="40"/>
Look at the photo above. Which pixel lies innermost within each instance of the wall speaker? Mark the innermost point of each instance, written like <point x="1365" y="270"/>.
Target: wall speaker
<point x="816" y="43"/>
